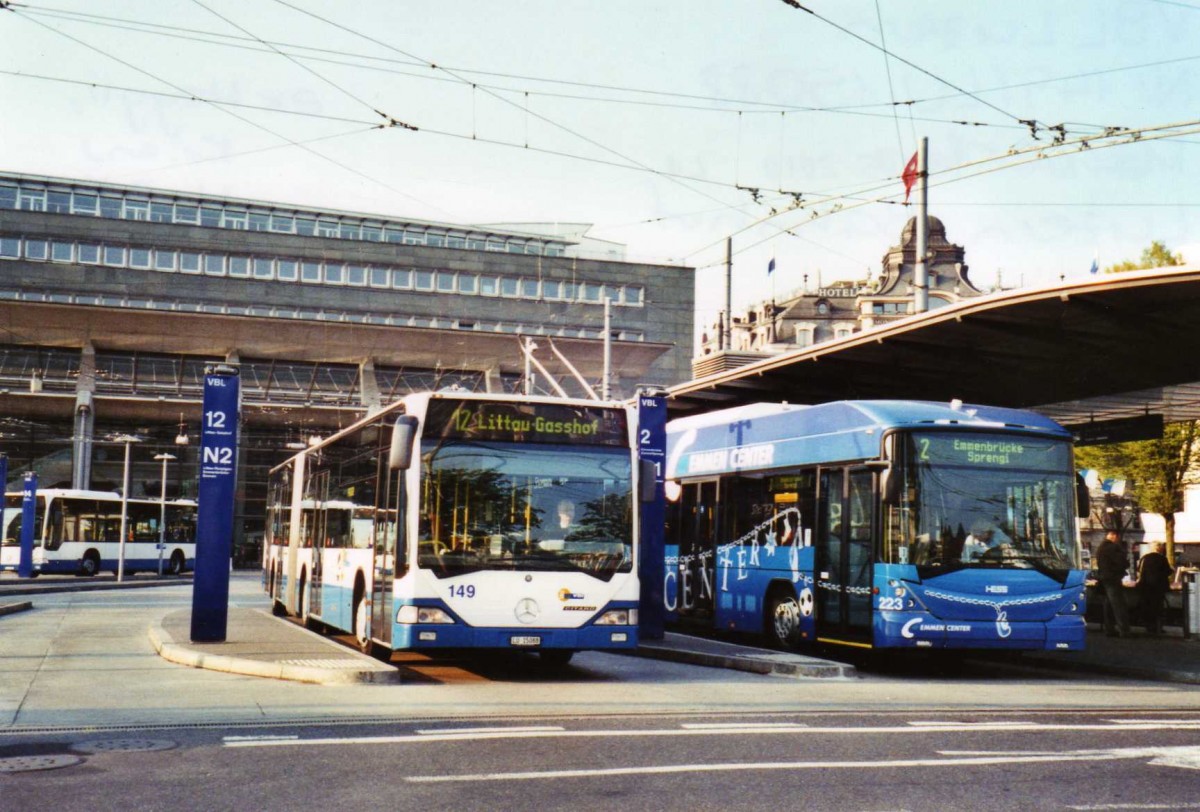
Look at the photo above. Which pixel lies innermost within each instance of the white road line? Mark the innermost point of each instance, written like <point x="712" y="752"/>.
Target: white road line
<point x="974" y="761"/>
<point x="526" y="733"/>
<point x="975" y="725"/>
<point x="472" y="730"/>
<point x="744" y="726"/>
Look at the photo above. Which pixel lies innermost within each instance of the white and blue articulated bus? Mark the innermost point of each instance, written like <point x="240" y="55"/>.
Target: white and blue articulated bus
<point x="876" y="524"/>
<point x="465" y="521"/>
<point x="79" y="531"/>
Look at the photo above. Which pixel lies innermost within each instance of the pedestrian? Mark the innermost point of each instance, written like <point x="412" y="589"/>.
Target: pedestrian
<point x="1110" y="568"/>
<point x="1153" y="583"/>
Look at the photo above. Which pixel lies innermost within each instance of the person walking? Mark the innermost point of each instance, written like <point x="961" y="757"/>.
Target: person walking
<point x="1110" y="568"/>
<point x="1153" y="583"/>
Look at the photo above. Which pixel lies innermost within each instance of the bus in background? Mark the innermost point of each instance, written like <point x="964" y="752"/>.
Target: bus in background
<point x="876" y="524"/>
<point x="83" y="533"/>
<point x="461" y="520"/>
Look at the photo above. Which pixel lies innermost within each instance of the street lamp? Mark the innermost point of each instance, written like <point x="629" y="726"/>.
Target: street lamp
<point x="162" y="507"/>
<point x="128" y="441"/>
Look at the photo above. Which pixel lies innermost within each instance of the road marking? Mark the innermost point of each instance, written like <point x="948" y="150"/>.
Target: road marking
<point x="463" y="731"/>
<point x="974" y="725"/>
<point x="1155" y="753"/>
<point x="451" y="734"/>
<point x="743" y="726"/>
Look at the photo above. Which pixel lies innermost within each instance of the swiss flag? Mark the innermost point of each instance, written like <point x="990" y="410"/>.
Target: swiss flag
<point x="909" y="176"/>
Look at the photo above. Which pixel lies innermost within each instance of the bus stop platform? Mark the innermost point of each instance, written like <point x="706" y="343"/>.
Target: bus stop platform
<point x="260" y="644"/>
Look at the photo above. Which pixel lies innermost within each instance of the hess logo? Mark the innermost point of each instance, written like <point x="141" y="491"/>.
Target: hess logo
<point x="565" y="595"/>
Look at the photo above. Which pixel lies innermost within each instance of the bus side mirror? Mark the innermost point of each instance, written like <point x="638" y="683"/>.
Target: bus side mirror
<point x="403" y="435"/>
<point x="647" y="480"/>
<point x="1083" y="499"/>
<point x="889" y="486"/>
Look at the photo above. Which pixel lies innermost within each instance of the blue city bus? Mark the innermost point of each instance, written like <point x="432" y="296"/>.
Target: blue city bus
<point x="876" y="524"/>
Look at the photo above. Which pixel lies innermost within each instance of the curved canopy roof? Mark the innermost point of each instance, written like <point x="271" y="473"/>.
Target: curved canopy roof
<point x="1113" y="346"/>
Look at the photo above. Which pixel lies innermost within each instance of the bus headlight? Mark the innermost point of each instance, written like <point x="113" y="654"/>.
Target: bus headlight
<point x="618" y="617"/>
<point x="409" y="615"/>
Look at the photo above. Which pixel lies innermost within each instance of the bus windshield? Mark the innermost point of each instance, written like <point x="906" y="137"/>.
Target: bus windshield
<point x="506" y="506"/>
<point x="982" y="500"/>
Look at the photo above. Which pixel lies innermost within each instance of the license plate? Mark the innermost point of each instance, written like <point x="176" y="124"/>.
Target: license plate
<point x="525" y="641"/>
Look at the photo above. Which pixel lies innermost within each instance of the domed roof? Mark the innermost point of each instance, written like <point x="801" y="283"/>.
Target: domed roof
<point x="936" y="230"/>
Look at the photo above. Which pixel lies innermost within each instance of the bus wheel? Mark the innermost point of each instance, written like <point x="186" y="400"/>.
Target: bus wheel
<point x="89" y="565"/>
<point x="178" y="562"/>
<point x="362" y="631"/>
<point x="783" y="619"/>
<point x="301" y="598"/>
<point x="555" y="658"/>
<point x="277" y="607"/>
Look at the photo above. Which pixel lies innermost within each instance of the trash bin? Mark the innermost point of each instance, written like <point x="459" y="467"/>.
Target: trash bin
<point x="1191" y="603"/>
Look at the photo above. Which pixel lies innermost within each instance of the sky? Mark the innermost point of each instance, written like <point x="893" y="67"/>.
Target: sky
<point x="669" y="125"/>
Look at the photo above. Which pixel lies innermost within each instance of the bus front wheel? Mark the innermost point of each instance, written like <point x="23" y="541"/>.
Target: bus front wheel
<point x="177" y="563"/>
<point x="783" y="619"/>
<point x="89" y="565"/>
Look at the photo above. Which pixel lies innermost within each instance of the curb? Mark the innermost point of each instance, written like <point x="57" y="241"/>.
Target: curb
<point x="783" y="665"/>
<point x="13" y="608"/>
<point x="48" y="589"/>
<point x="183" y="655"/>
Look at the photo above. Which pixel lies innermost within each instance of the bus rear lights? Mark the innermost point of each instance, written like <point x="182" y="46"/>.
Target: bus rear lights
<point x="619" y="637"/>
<point x="618" y="617"/>
<point x="409" y="615"/>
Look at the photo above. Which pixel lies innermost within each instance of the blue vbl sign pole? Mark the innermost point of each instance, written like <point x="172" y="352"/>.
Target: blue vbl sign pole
<point x="28" y="525"/>
<point x="652" y="453"/>
<point x="215" y="499"/>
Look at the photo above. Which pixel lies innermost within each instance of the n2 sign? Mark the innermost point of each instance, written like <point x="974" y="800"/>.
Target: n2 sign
<point x="214" y="520"/>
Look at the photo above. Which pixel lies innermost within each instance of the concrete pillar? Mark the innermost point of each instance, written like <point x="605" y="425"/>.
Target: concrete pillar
<point x="85" y="419"/>
<point x="368" y="388"/>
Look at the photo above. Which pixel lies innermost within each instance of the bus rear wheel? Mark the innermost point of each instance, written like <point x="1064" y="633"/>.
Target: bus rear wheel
<point x="362" y="631"/>
<point x="783" y="619"/>
<point x="177" y="563"/>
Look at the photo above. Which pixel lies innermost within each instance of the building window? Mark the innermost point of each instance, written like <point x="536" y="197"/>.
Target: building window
<point x="8" y="197"/>
<point x="379" y="277"/>
<point x="467" y="283"/>
<point x="402" y="279"/>
<point x="348" y="231"/>
<point x="264" y="268"/>
<point x="139" y="257"/>
<point x="137" y="209"/>
<point x="58" y="202"/>
<point x="187" y="214"/>
<point x="114" y="255"/>
<point x="164" y="260"/>
<point x="529" y="288"/>
<point x="62" y="251"/>
<point x="282" y="224"/>
<point x="287" y="270"/>
<point x="424" y="280"/>
<point x="509" y="286"/>
<point x="356" y="275"/>
<point x="236" y="220"/>
<point x="327" y="228"/>
<point x="591" y="291"/>
<point x="162" y="212"/>
<point x="372" y="233"/>
<point x="32" y="200"/>
<point x="89" y="253"/>
<point x="395" y="235"/>
<point x="213" y="264"/>
<point x="489" y="286"/>
<point x="436" y="240"/>
<point x="310" y="272"/>
<point x="239" y="267"/>
<point x="210" y="217"/>
<point x="83" y="204"/>
<point x="189" y="262"/>
<point x="306" y="227"/>
<point x="633" y="295"/>
<point x="335" y="273"/>
<point x="259" y="221"/>
<point x="10" y="248"/>
<point x="110" y="207"/>
<point x="445" y="282"/>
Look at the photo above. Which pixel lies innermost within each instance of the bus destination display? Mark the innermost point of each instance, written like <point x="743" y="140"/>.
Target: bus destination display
<point x="526" y="423"/>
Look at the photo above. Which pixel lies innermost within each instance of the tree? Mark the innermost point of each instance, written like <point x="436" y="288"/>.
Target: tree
<point x="1156" y="256"/>
<point x="1158" y="469"/>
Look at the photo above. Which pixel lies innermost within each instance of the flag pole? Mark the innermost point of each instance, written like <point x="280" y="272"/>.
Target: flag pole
<point x="921" y="271"/>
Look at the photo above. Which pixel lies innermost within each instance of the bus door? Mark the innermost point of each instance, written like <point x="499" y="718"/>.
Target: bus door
<point x="844" y="541"/>
<point x="390" y="552"/>
<point x="319" y="493"/>
<point x="697" y="548"/>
